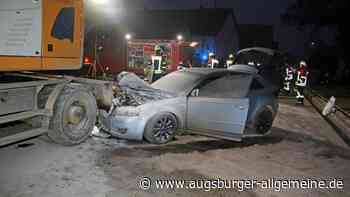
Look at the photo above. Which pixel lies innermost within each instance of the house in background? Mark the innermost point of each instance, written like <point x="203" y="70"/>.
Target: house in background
<point x="253" y="35"/>
<point x="213" y="30"/>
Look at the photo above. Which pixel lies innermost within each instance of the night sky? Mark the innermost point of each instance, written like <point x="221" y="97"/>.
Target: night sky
<point x="247" y="11"/>
<point x="267" y="12"/>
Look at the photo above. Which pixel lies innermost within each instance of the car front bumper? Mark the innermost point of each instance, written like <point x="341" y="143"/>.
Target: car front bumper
<point x="125" y="127"/>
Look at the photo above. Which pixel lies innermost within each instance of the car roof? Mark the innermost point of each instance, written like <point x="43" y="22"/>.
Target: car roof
<point x="208" y="71"/>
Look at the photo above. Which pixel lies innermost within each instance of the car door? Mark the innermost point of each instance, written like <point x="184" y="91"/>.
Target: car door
<point x="219" y="106"/>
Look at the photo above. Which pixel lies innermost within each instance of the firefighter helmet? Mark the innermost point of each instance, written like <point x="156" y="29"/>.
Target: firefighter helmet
<point x="303" y="63"/>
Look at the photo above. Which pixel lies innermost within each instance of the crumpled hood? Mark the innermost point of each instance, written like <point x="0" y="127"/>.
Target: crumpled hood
<point x="138" y="92"/>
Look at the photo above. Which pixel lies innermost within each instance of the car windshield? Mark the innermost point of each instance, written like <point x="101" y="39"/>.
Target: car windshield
<point x="176" y="82"/>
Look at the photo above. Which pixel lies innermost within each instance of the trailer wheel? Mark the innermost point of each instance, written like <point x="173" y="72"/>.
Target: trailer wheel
<point x="74" y="116"/>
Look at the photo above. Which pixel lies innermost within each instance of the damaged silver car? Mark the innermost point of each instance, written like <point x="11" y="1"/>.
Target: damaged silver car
<point x="230" y="104"/>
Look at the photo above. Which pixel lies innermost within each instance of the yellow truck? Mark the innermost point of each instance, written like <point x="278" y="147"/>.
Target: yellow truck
<point x="38" y="36"/>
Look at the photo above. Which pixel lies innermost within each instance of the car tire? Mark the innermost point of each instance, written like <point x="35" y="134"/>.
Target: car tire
<point x="264" y="122"/>
<point x="161" y="129"/>
<point x="74" y="116"/>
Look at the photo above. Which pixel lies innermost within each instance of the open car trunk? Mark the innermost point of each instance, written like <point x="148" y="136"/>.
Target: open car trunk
<point x="268" y="62"/>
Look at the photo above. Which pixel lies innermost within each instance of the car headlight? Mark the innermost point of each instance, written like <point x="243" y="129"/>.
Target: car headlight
<point x="127" y="111"/>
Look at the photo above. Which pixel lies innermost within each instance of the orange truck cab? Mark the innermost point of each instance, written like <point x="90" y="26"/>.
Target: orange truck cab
<point x="39" y="35"/>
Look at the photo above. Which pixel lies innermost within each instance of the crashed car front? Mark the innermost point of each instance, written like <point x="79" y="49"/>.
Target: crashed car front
<point x="125" y="122"/>
<point x="129" y="122"/>
<point x="135" y="105"/>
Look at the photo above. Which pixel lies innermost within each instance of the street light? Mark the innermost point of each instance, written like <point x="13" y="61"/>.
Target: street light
<point x="100" y="2"/>
<point x="128" y="36"/>
<point x="194" y="44"/>
<point x="179" y="37"/>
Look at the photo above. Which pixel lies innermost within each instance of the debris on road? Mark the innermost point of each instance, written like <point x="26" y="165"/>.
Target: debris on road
<point x="329" y="108"/>
<point x="96" y="132"/>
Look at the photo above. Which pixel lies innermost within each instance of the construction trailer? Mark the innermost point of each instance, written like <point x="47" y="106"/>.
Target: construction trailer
<point x="39" y="36"/>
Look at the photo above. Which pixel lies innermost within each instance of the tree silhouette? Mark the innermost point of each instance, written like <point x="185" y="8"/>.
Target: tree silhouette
<point x="321" y="13"/>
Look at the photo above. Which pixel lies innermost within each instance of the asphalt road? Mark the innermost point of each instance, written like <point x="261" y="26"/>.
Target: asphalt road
<point x="302" y="145"/>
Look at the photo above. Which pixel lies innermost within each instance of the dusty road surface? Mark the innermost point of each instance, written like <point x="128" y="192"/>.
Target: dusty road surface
<point x="302" y="146"/>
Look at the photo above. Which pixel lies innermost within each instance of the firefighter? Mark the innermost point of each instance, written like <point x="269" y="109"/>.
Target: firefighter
<point x="230" y="60"/>
<point x="301" y="82"/>
<point x="189" y="64"/>
<point x="212" y="61"/>
<point x="158" y="50"/>
<point x="288" y="79"/>
<point x="157" y="63"/>
<point x="210" y="58"/>
<point x="181" y="66"/>
<point x="148" y="71"/>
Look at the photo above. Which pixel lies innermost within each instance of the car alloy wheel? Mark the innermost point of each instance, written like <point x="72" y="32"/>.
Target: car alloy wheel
<point x="164" y="129"/>
<point x="161" y="128"/>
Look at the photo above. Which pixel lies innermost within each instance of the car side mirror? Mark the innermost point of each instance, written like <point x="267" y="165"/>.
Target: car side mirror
<point x="195" y="93"/>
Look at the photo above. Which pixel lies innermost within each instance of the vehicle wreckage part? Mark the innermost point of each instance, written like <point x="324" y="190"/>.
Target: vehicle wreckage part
<point x="264" y="122"/>
<point x="137" y="92"/>
<point x="128" y="111"/>
<point x="125" y="127"/>
<point x="102" y="90"/>
<point x="74" y="116"/>
<point x="161" y="128"/>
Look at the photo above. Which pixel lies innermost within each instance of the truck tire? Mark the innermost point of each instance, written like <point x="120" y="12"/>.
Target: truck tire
<point x="74" y="116"/>
<point x="161" y="129"/>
